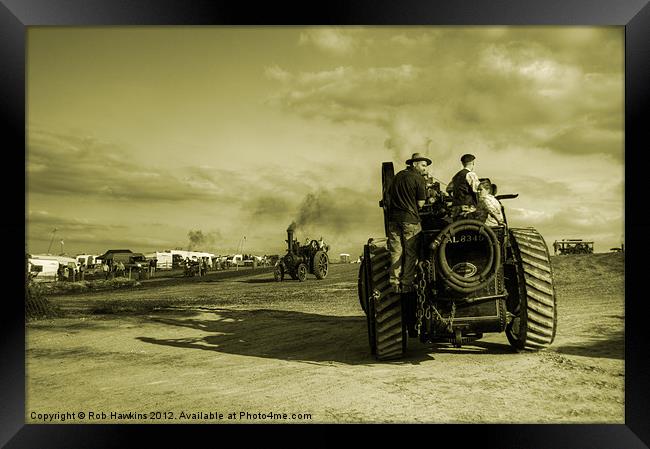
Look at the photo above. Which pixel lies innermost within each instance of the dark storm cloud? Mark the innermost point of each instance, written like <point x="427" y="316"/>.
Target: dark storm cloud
<point x="534" y="187"/>
<point x="269" y="207"/>
<point x="50" y="229"/>
<point x="137" y="244"/>
<point x="593" y="48"/>
<point x="586" y="140"/>
<point x="351" y="94"/>
<point x="67" y="164"/>
<point x="505" y="85"/>
<point x="42" y="220"/>
<point x="285" y="181"/>
<point x="40" y="226"/>
<point x="571" y="222"/>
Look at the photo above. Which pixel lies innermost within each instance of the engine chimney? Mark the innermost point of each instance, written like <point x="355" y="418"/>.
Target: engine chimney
<point x="290" y="238"/>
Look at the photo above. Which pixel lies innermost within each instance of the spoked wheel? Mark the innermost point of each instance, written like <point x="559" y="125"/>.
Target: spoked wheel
<point x="278" y="273"/>
<point x="301" y="272"/>
<point x="534" y="324"/>
<point x="320" y="264"/>
<point x="386" y="328"/>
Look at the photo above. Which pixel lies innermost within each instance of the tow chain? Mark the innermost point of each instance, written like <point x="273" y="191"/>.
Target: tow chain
<point x="420" y="285"/>
<point x="425" y="308"/>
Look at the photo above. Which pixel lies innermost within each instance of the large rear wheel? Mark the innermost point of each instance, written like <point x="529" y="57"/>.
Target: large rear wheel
<point x="320" y="264"/>
<point x="387" y="175"/>
<point x="534" y="323"/>
<point x="361" y="286"/>
<point x="364" y="284"/>
<point x="384" y="306"/>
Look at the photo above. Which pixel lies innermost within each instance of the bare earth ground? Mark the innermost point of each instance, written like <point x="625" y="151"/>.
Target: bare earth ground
<point x="251" y="345"/>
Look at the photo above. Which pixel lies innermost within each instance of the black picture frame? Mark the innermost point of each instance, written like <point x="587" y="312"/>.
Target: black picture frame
<point x="634" y="15"/>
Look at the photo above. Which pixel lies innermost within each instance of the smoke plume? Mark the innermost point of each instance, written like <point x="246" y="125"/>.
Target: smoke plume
<point x="198" y="240"/>
<point x="313" y="209"/>
<point x="334" y="211"/>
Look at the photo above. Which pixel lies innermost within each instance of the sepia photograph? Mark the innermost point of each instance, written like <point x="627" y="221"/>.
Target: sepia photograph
<point x="325" y="224"/>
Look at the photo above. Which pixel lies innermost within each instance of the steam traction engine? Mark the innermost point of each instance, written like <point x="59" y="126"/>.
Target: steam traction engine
<point x="300" y="260"/>
<point x="470" y="279"/>
<point x="573" y="246"/>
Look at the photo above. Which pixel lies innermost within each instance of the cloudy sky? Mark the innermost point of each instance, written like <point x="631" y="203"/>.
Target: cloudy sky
<point x="154" y="138"/>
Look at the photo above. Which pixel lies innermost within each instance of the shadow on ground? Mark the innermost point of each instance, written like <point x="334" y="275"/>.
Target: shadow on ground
<point x="291" y="335"/>
<point x="258" y="281"/>
<point x="279" y="334"/>
<point x="476" y="347"/>
<point x="611" y="346"/>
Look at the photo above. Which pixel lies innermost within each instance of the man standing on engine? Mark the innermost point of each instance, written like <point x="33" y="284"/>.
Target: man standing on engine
<point x="464" y="188"/>
<point x="407" y="195"/>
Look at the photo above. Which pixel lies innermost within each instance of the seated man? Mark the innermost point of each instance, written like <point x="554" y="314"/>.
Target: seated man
<point x="489" y="208"/>
<point x="463" y="189"/>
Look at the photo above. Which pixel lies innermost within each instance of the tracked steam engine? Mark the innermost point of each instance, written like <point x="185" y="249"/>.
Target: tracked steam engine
<point x="300" y="260"/>
<point x="471" y="279"/>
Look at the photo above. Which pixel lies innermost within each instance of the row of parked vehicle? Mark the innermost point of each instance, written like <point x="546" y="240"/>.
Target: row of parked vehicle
<point x="48" y="268"/>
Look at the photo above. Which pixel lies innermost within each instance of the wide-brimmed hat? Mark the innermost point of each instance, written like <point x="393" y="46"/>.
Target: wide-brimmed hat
<point x="418" y="157"/>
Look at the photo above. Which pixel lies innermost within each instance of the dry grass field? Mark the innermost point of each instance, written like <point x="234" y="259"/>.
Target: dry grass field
<point x="248" y="349"/>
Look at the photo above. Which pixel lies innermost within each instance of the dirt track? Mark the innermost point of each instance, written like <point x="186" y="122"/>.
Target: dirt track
<point x="252" y="345"/>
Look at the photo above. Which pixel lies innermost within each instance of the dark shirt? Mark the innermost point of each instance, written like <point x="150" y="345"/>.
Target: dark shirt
<point x="462" y="191"/>
<point x="407" y="188"/>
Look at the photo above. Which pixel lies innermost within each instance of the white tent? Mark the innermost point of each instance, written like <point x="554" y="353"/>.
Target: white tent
<point x="192" y="255"/>
<point x="63" y="260"/>
<point x="87" y="259"/>
<point x="163" y="259"/>
<point x="43" y="270"/>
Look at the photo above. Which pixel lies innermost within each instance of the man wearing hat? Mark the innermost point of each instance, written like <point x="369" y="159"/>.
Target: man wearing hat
<point x="464" y="188"/>
<point x="407" y="195"/>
